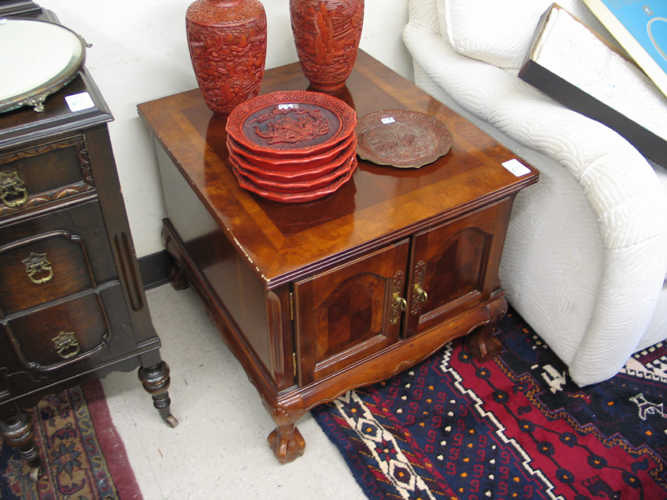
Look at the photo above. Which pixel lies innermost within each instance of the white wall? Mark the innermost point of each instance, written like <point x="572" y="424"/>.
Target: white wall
<point x="140" y="53"/>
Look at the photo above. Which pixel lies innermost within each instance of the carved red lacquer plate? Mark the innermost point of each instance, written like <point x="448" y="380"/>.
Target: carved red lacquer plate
<point x="302" y="186"/>
<point x="404" y="139"/>
<point x="288" y="165"/>
<point x="291" y="197"/>
<point x="291" y="124"/>
<point x="300" y="172"/>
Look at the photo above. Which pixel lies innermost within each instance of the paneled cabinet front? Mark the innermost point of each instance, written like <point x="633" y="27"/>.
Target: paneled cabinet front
<point x="350" y="312"/>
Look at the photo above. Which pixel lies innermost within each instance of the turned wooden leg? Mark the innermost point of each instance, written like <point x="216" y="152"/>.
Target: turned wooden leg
<point x="156" y="382"/>
<point x="482" y="344"/>
<point x="18" y="431"/>
<point x="287" y="443"/>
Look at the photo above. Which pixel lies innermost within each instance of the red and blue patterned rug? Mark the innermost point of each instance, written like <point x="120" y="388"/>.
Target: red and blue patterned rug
<point x="83" y="457"/>
<point x="513" y="428"/>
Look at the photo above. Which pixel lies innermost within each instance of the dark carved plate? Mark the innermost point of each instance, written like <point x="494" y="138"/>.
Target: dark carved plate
<point x="403" y="139"/>
<point x="287" y="165"/>
<point x="291" y="124"/>
<point x="290" y="197"/>
<point x="300" y="172"/>
<point x="303" y="186"/>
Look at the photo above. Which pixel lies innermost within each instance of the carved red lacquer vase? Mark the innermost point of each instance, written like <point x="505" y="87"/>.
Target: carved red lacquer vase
<point x="227" y="41"/>
<point x="327" y="35"/>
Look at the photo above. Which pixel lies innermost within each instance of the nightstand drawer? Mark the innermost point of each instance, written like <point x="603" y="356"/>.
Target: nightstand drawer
<point x="44" y="174"/>
<point x="53" y="256"/>
<point x="52" y="337"/>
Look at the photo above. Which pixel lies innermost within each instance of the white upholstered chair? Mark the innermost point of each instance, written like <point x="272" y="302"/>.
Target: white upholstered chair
<point x="586" y="253"/>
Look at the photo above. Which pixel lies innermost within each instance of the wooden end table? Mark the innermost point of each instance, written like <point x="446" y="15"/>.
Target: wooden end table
<point x="318" y="298"/>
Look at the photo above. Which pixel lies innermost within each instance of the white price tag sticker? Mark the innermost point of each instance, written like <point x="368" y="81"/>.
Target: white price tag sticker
<point x="288" y="106"/>
<point x="388" y="120"/>
<point x="516" y="167"/>
<point x="79" y="102"/>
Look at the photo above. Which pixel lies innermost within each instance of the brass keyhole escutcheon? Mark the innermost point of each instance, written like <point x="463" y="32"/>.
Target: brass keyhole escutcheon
<point x="12" y="189"/>
<point x="38" y="268"/>
<point x="419" y="295"/>
<point x="66" y="345"/>
<point x="398" y="303"/>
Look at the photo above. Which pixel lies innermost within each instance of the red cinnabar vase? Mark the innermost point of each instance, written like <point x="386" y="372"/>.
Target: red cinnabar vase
<point x="327" y="35"/>
<point x="227" y="41"/>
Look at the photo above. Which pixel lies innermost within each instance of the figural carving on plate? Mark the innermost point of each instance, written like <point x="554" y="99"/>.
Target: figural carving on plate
<point x="287" y="124"/>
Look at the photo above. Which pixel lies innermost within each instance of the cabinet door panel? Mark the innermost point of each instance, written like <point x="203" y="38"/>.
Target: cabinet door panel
<point x="349" y="312"/>
<point x="454" y="266"/>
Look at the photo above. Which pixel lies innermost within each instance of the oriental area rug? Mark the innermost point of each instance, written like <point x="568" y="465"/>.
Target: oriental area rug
<point x="83" y="457"/>
<point x="515" y="427"/>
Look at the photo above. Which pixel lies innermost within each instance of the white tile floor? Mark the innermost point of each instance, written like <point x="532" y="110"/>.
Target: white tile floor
<point x="219" y="449"/>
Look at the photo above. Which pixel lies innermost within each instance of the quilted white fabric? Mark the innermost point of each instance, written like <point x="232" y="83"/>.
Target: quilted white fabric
<point x="586" y="253"/>
<point x="500" y="32"/>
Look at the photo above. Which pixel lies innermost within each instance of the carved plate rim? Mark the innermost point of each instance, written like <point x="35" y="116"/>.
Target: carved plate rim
<point x="288" y="165"/>
<point x="248" y="185"/>
<point x="298" y="186"/>
<point x="236" y="119"/>
<point x="304" y="172"/>
<point x="442" y="136"/>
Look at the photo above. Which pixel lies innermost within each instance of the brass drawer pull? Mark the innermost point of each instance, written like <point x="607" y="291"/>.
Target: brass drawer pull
<point x="66" y="345"/>
<point x="12" y="189"/>
<point x="38" y="263"/>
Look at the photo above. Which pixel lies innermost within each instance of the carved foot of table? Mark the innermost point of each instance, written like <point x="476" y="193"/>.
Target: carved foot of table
<point x="287" y="443"/>
<point x="483" y="345"/>
<point x="18" y="431"/>
<point x="176" y="277"/>
<point x="156" y="382"/>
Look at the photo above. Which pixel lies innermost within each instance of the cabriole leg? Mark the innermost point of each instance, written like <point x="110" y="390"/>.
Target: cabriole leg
<point x="482" y="344"/>
<point x="287" y="443"/>
<point x="285" y="440"/>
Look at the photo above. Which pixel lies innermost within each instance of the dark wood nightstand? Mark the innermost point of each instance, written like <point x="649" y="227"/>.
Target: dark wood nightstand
<point x="71" y="298"/>
<point x="318" y="298"/>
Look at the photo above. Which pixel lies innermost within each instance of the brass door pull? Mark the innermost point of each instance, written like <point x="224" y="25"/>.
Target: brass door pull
<point x="399" y="305"/>
<point x="12" y="189"/>
<point x="419" y="294"/>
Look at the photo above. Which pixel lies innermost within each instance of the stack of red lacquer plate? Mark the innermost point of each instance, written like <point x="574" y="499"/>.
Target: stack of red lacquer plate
<point x="292" y="146"/>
